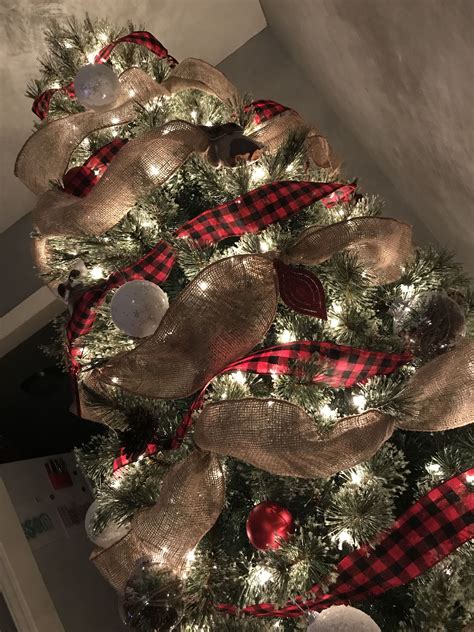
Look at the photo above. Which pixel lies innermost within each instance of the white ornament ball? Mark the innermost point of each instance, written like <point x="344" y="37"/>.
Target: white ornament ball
<point x="97" y="87"/>
<point x="138" y="307"/>
<point x="343" y="619"/>
<point x="111" y="534"/>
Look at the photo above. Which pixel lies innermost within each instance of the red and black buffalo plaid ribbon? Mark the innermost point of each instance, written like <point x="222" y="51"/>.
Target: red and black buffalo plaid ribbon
<point x="79" y="181"/>
<point x="338" y="366"/>
<point x="253" y="211"/>
<point x="431" y="529"/>
<point x="141" y="38"/>
<point x="248" y="213"/>
<point x="266" y="109"/>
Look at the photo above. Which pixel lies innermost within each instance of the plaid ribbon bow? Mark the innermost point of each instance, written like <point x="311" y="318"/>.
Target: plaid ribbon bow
<point x="42" y="102"/>
<point x="431" y="529"/>
<point x="338" y="366"/>
<point x="247" y="213"/>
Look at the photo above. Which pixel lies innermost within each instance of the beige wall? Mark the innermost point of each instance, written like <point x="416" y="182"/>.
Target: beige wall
<point x="398" y="76"/>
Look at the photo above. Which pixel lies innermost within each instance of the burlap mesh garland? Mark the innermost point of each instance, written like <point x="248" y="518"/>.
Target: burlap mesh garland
<point x="191" y="499"/>
<point x="222" y="314"/>
<point x="143" y="163"/>
<point x="443" y="391"/>
<point x="282" y="438"/>
<point x="43" y="158"/>
<point x="382" y="245"/>
<point x="228" y="308"/>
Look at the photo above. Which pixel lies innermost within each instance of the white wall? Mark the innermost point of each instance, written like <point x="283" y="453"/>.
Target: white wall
<point x="83" y="600"/>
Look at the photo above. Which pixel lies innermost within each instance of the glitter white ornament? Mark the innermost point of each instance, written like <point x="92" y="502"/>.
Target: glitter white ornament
<point x="97" y="87"/>
<point x="343" y="619"/>
<point x="138" y="307"/>
<point x="111" y="534"/>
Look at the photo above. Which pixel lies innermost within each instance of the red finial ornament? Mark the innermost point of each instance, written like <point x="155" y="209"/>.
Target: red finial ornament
<point x="268" y="524"/>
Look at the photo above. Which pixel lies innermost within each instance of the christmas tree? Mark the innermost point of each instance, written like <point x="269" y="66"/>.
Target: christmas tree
<point x="283" y="379"/>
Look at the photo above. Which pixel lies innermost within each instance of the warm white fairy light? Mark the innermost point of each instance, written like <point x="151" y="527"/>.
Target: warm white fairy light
<point x="153" y="170"/>
<point x="239" y="377"/>
<point x="194" y="115"/>
<point x="264" y="247"/>
<point x="97" y="272"/>
<point x="56" y="85"/>
<point x="356" y="476"/>
<point x="263" y="575"/>
<point x="131" y="92"/>
<point x="359" y="402"/>
<point x="327" y="412"/>
<point x="191" y="556"/>
<point x="67" y="44"/>
<point x="258" y="172"/>
<point x="334" y="321"/>
<point x="470" y="479"/>
<point x="117" y="482"/>
<point x="407" y="290"/>
<point x="115" y="380"/>
<point x="91" y="56"/>
<point x="344" y="537"/>
<point x="115" y="120"/>
<point x="103" y="37"/>
<point x="203" y="285"/>
<point x="433" y="468"/>
<point x="285" y="336"/>
<point x="290" y="168"/>
<point x="115" y="133"/>
<point x="336" y="308"/>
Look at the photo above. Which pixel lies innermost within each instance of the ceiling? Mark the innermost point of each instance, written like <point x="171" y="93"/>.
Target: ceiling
<point x="210" y="29"/>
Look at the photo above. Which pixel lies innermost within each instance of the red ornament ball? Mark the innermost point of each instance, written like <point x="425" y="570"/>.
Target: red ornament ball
<point x="268" y="524"/>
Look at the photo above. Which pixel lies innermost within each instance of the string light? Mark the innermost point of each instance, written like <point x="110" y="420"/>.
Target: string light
<point x="67" y="45"/>
<point x="153" y="170"/>
<point x="131" y="92"/>
<point x="191" y="556"/>
<point x="264" y="247"/>
<point x="56" y="85"/>
<point x="359" y="402"/>
<point x="103" y="37"/>
<point x="327" y="412"/>
<point x="470" y="479"/>
<point x="115" y="120"/>
<point x="336" y="308"/>
<point x="194" y="115"/>
<point x="203" y="285"/>
<point x="285" y="336"/>
<point x="334" y="321"/>
<point x="239" y="377"/>
<point x="263" y="575"/>
<point x="433" y="468"/>
<point x="91" y="56"/>
<point x="344" y="537"/>
<point x="97" y="272"/>
<point x="356" y="476"/>
<point x="408" y="290"/>
<point x="258" y="172"/>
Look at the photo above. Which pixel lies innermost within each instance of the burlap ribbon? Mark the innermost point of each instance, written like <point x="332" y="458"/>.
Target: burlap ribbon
<point x="280" y="438"/>
<point x="146" y="162"/>
<point x="239" y="296"/>
<point x="137" y="87"/>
